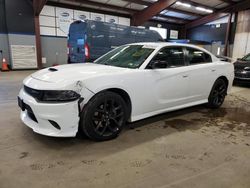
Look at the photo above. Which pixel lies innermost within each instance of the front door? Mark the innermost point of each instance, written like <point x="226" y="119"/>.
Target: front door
<point x="167" y="86"/>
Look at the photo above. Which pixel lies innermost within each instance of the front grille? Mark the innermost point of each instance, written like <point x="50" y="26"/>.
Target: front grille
<point x="37" y="94"/>
<point x="239" y="74"/>
<point x="239" y="68"/>
<point x="242" y="76"/>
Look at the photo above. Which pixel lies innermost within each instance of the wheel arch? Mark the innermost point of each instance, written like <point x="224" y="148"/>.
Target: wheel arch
<point x="125" y="97"/>
<point x="224" y="78"/>
<point x="121" y="92"/>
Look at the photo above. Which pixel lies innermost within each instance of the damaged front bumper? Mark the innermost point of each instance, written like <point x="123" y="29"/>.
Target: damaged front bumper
<point x="51" y="119"/>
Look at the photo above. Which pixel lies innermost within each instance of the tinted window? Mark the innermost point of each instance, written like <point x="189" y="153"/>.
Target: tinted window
<point x="195" y="56"/>
<point x="246" y="58"/>
<point x="128" y="56"/>
<point x="173" y="56"/>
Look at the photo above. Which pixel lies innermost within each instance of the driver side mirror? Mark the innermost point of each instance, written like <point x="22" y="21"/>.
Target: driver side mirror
<point x="158" y="64"/>
<point x="239" y="59"/>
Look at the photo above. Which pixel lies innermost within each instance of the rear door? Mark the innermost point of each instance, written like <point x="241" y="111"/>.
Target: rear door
<point x="76" y="42"/>
<point x="202" y="73"/>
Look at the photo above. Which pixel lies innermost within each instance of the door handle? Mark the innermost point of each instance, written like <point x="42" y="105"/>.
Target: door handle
<point x="213" y="70"/>
<point x="184" y="76"/>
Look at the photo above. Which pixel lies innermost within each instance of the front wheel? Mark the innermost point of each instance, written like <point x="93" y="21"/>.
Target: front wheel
<point x="104" y="116"/>
<point x="217" y="94"/>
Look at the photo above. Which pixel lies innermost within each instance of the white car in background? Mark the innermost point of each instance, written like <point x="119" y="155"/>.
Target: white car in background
<point x="130" y="83"/>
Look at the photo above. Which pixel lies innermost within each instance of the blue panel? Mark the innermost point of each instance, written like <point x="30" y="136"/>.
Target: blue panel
<point x="80" y="42"/>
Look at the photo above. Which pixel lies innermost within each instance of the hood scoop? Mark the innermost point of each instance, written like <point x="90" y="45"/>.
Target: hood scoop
<point x="52" y="69"/>
<point x="73" y="72"/>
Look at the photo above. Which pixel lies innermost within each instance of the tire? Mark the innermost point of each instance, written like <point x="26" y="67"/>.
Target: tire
<point x="217" y="94"/>
<point x="104" y="116"/>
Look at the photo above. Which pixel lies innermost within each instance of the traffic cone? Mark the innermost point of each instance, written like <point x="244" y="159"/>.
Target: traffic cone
<point x="5" y="65"/>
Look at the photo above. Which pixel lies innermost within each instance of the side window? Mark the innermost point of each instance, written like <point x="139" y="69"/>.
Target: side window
<point x="172" y="56"/>
<point x="195" y="56"/>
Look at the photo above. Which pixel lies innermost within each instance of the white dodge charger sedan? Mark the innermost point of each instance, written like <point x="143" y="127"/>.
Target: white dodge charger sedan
<point x="130" y="83"/>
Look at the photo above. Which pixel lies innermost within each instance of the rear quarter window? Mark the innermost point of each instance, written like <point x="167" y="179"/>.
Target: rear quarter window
<point x="196" y="56"/>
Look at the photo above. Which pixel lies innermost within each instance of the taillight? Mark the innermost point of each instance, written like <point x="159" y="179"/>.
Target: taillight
<point x="68" y="49"/>
<point x="87" y="53"/>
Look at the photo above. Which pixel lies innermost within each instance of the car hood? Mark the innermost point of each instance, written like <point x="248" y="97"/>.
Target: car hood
<point x="75" y="72"/>
<point x="241" y="64"/>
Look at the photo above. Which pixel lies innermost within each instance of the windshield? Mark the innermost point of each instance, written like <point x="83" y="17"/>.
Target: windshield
<point x="128" y="56"/>
<point x="246" y="58"/>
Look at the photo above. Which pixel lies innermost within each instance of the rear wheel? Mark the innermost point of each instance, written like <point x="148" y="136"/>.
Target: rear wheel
<point x="217" y="94"/>
<point x="104" y="116"/>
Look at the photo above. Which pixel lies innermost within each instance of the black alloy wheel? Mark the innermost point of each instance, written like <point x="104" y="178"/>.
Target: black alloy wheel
<point x="108" y="117"/>
<point x="218" y="94"/>
<point x="104" y="116"/>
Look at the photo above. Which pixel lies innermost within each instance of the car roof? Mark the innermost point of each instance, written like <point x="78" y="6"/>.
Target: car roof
<point x="165" y="44"/>
<point x="162" y="44"/>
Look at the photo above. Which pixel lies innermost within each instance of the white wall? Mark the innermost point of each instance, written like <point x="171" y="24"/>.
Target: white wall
<point x="55" y="21"/>
<point x="242" y="36"/>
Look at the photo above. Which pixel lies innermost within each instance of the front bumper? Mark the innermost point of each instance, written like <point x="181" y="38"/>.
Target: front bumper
<point x="66" y="115"/>
<point x="242" y="75"/>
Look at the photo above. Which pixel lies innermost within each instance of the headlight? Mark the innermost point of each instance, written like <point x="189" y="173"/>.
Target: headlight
<point x="247" y="68"/>
<point x="59" y="96"/>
